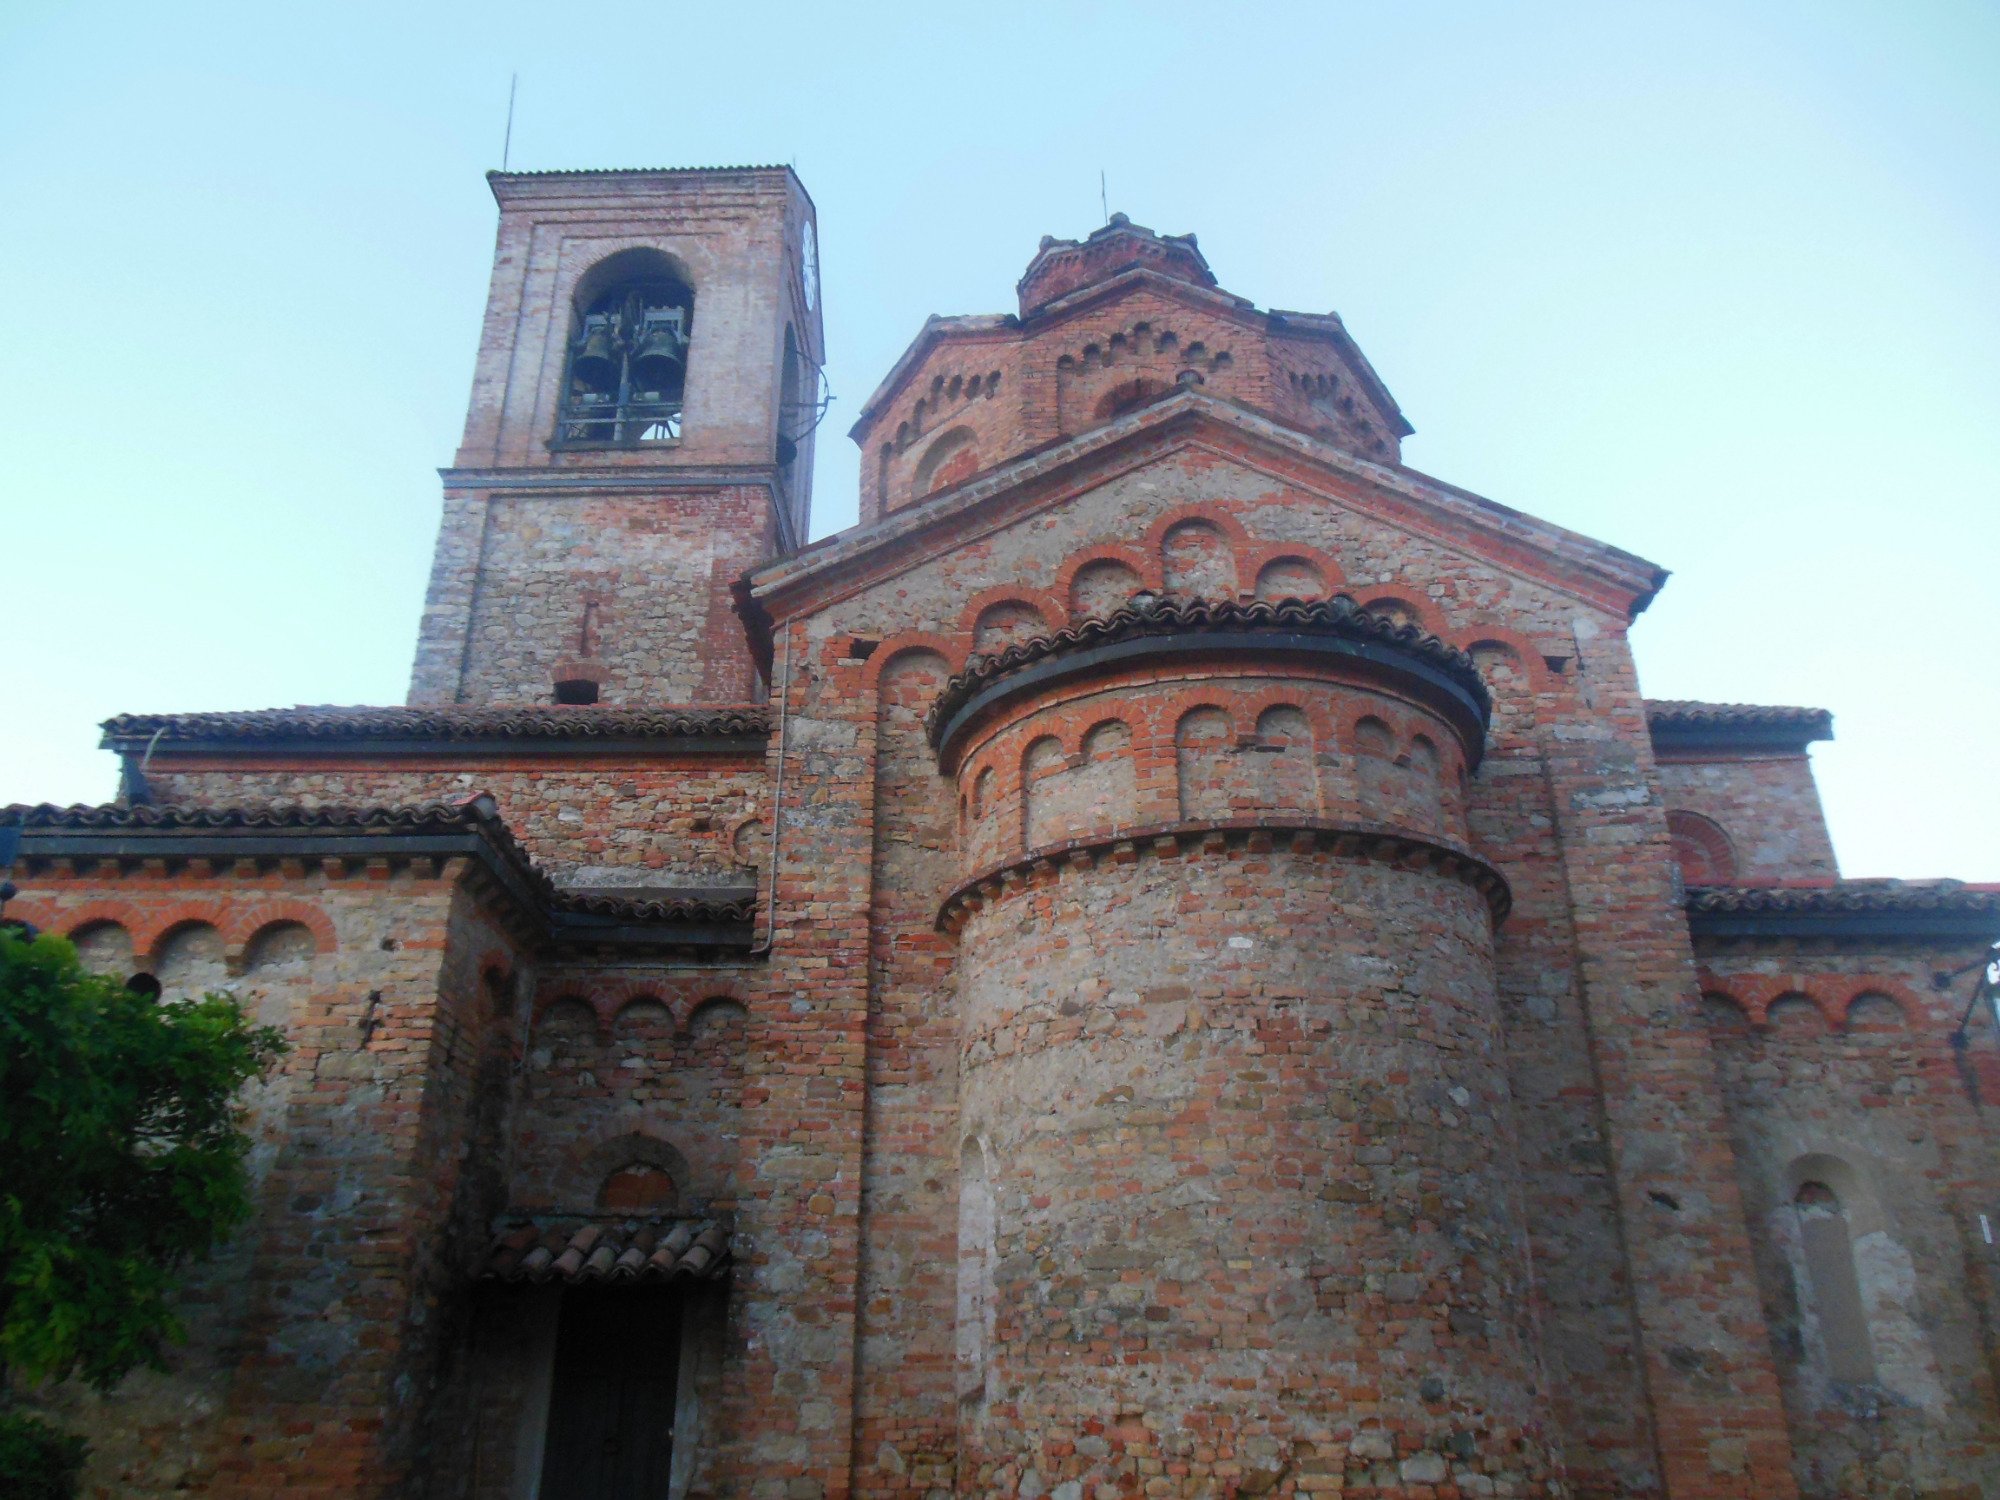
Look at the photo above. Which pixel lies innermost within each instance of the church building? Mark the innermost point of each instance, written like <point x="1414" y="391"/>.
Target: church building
<point x="1172" y="959"/>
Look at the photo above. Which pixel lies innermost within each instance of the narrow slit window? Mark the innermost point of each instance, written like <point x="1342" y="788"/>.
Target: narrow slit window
<point x="1828" y="1248"/>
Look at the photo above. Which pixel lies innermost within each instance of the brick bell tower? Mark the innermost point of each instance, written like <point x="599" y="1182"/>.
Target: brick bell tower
<point x="640" y="436"/>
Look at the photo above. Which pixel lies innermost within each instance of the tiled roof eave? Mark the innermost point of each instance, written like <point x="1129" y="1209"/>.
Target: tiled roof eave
<point x="1686" y="724"/>
<point x="900" y="540"/>
<point x="1338" y="617"/>
<point x="1941" y="911"/>
<point x="444" y="730"/>
<point x="607" y="1249"/>
<point x="711" y="920"/>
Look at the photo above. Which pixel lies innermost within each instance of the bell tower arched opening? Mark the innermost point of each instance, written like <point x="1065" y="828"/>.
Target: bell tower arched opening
<point x="625" y="371"/>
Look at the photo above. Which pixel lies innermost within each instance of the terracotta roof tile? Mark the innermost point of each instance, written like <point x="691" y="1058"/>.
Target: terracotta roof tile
<point x="326" y="723"/>
<point x="1867" y="911"/>
<point x="481" y="812"/>
<point x="1337" y="616"/>
<point x="703" y="908"/>
<point x="480" y="817"/>
<point x="1892" y="897"/>
<point x="1686" y="717"/>
<point x="595" y="1250"/>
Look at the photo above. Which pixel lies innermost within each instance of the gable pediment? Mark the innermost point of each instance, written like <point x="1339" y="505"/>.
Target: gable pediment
<point x="1191" y="427"/>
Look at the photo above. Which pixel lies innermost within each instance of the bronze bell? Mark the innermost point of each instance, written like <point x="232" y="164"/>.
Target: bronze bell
<point x="596" y="362"/>
<point x="660" y="356"/>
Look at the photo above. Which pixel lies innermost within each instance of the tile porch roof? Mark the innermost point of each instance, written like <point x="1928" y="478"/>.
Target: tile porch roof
<point x="480" y="813"/>
<point x="586" y="1250"/>
<point x="1849" y="895"/>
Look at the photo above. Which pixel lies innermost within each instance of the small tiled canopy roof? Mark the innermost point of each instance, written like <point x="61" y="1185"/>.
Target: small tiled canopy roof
<point x="613" y="1251"/>
<point x="725" y="906"/>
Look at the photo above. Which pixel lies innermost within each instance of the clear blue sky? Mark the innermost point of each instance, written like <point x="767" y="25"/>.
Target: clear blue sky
<point x="1713" y="282"/>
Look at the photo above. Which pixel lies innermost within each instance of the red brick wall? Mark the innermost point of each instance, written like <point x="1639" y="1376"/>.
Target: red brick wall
<point x="1244" y="743"/>
<point x="1003" y="394"/>
<point x="735" y="236"/>
<point x="1765" y="805"/>
<point x="905" y="1419"/>
<point x="652" y="538"/>
<point x="619" y="1056"/>
<point x="1581" y="1224"/>
<point x="590" y="819"/>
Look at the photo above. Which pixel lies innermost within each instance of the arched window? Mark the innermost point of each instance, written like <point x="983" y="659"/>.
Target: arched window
<point x="1828" y="1247"/>
<point x="1701" y="849"/>
<point x="976" y="1253"/>
<point x="949" y="460"/>
<point x="626" y="369"/>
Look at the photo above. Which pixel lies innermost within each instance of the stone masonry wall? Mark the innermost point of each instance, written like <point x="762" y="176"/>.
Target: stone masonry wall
<point x="1254" y="1216"/>
<point x="1653" y="1314"/>
<point x="1238" y="743"/>
<point x="619" y="1063"/>
<point x="733" y="234"/>
<point x="588" y="819"/>
<point x="1846" y="1100"/>
<point x="630" y="590"/>
<point x="1598" y="1403"/>
<point x="316" y="1332"/>
<point x="615" y="564"/>
<point x="905" y="1419"/>
<point x="1766" y="806"/>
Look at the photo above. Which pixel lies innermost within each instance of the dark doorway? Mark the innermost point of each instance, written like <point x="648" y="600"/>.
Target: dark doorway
<point x="611" y="1410"/>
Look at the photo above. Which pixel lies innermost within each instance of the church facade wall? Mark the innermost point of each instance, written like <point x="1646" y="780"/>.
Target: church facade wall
<point x="1514" y="627"/>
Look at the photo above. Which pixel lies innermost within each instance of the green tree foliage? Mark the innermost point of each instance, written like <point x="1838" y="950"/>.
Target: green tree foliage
<point x="121" y="1159"/>
<point x="36" y="1461"/>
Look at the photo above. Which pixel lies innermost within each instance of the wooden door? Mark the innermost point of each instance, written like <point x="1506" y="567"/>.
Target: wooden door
<point x="611" y="1409"/>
